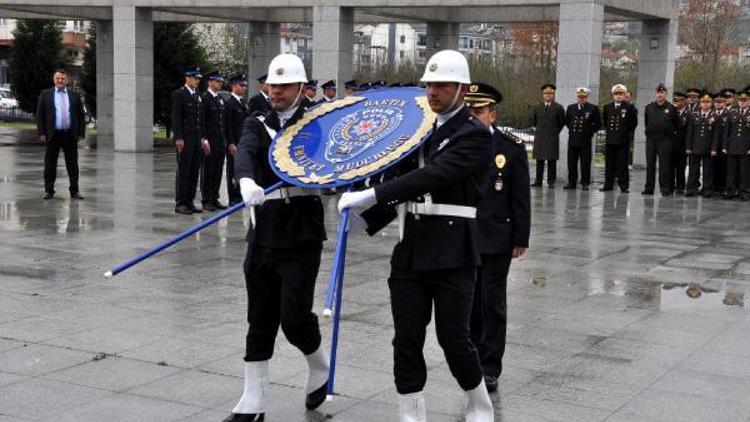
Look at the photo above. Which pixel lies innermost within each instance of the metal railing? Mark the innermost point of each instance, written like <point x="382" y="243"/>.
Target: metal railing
<point x="15" y="115"/>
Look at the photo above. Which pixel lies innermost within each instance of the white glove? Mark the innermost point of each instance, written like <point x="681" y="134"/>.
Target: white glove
<point x="363" y="199"/>
<point x="252" y="194"/>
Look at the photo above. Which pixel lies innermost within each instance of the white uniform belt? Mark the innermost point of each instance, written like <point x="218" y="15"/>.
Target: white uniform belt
<point x="285" y="193"/>
<point x="445" y="210"/>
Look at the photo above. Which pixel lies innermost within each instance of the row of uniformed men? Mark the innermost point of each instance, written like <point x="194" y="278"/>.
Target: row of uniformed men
<point x="478" y="216"/>
<point x="207" y="129"/>
<point x="710" y="130"/>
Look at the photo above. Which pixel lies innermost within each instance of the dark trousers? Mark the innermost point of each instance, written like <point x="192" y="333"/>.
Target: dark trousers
<point x="413" y="294"/>
<point x="616" y="166"/>
<point x="719" y="164"/>
<point x="738" y="176"/>
<point x="551" y="172"/>
<point x="660" y="150"/>
<point x="280" y="290"/>
<point x="582" y="154"/>
<point x="489" y="312"/>
<point x="233" y="189"/>
<point x="61" y="139"/>
<point x="188" y="168"/>
<point x="213" y="167"/>
<point x="700" y="164"/>
<point x="679" y="162"/>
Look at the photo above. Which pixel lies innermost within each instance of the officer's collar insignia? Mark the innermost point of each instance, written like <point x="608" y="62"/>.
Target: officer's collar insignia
<point x="280" y="71"/>
<point x="433" y="67"/>
<point x="500" y="161"/>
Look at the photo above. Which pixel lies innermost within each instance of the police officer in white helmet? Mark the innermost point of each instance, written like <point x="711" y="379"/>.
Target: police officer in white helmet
<point x="434" y="263"/>
<point x="283" y="254"/>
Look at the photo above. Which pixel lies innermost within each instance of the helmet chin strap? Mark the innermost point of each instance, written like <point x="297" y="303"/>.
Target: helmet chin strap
<point x="455" y="100"/>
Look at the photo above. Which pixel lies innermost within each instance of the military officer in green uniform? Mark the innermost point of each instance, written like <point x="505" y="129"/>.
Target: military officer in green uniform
<point x="549" y="119"/>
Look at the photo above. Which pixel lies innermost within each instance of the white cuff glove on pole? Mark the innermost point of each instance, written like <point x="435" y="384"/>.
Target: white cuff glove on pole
<point x="252" y="194"/>
<point x="363" y="199"/>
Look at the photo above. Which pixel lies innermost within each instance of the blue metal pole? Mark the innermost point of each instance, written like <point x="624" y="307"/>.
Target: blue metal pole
<point x="196" y="228"/>
<point x="337" y="314"/>
<point x="336" y="268"/>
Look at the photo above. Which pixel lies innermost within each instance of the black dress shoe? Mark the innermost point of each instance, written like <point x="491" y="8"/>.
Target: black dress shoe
<point x="689" y="193"/>
<point x="48" y="195"/>
<point x="606" y="189"/>
<point x="317" y="397"/>
<point x="585" y="187"/>
<point x="569" y="186"/>
<point x="491" y="383"/>
<point x="193" y="208"/>
<point x="220" y="206"/>
<point x="536" y="185"/>
<point x="707" y="194"/>
<point x="182" y="209"/>
<point x="624" y="190"/>
<point x="76" y="195"/>
<point x="208" y="206"/>
<point x="647" y="192"/>
<point x="744" y="198"/>
<point x="666" y="193"/>
<point x="246" y="417"/>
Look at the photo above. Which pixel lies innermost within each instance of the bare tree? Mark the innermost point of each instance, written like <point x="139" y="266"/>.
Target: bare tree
<point x="705" y="27"/>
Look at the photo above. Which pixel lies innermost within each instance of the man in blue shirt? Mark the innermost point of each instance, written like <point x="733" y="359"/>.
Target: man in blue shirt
<point x="60" y="124"/>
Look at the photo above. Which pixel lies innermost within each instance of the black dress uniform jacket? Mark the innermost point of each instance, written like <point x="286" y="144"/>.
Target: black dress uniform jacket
<point x="236" y="112"/>
<point x="504" y="214"/>
<point x="187" y="115"/>
<point x="582" y="122"/>
<point x="661" y="121"/>
<point x="456" y="161"/>
<point x="737" y="132"/>
<point x="619" y="122"/>
<point x="702" y="137"/>
<point x="296" y="222"/>
<point x="722" y="117"/>
<point x="549" y="122"/>
<point x="215" y="121"/>
<point x="258" y="104"/>
<point x="682" y="127"/>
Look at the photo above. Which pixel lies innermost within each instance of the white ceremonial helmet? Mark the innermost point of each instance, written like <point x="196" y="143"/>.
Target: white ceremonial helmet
<point x="447" y="66"/>
<point x="619" y="88"/>
<point x="286" y="69"/>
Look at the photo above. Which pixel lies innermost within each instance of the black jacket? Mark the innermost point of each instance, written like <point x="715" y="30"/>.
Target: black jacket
<point x="582" y="123"/>
<point x="296" y="223"/>
<point x="682" y="126"/>
<point x="215" y="119"/>
<point x="258" y="104"/>
<point x="45" y="114"/>
<point x="456" y="160"/>
<point x="702" y="136"/>
<point x="737" y="132"/>
<point x="504" y="215"/>
<point x="236" y="112"/>
<point x="661" y="121"/>
<point x="187" y="115"/>
<point x="721" y="124"/>
<point x="619" y="122"/>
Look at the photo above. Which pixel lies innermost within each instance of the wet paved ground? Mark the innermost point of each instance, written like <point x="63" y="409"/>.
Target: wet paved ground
<point x="602" y="327"/>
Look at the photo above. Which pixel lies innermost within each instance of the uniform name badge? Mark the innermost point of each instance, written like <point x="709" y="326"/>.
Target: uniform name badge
<point x="338" y="143"/>
<point x="623" y="112"/>
<point x="498" y="183"/>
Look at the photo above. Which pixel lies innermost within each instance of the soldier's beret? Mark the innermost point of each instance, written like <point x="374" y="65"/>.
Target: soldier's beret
<point x="481" y="94"/>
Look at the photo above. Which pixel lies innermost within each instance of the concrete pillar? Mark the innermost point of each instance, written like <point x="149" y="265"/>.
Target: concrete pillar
<point x="104" y="87"/>
<point x="133" y="45"/>
<point x="264" y="44"/>
<point x="579" y="51"/>
<point x="333" y="29"/>
<point x="656" y="66"/>
<point x="442" y="36"/>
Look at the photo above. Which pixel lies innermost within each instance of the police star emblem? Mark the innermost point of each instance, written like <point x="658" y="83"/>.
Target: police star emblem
<point x="433" y="67"/>
<point x="280" y="71"/>
<point x="500" y="161"/>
